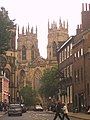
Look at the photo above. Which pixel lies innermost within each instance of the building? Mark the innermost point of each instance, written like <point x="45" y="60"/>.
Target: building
<point x="7" y="61"/>
<point x="30" y="65"/>
<point x="74" y="62"/>
<point x="4" y="89"/>
<point x="56" y="37"/>
<point x="81" y="62"/>
<point x="65" y="67"/>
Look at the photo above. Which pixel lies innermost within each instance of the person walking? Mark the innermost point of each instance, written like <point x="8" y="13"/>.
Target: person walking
<point x="65" y="112"/>
<point x="58" y="111"/>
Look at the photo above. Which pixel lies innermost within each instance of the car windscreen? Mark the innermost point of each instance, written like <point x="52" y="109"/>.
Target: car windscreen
<point x="14" y="106"/>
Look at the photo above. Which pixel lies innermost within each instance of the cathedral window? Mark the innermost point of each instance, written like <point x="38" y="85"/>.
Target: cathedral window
<point x="54" y="49"/>
<point x="32" y="53"/>
<point x="23" y="53"/>
<point x="7" y="73"/>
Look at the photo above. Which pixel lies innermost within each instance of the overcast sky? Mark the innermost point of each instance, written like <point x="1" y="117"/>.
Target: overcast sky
<point x="37" y="13"/>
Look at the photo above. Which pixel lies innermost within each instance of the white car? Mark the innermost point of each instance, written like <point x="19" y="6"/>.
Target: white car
<point x="38" y="108"/>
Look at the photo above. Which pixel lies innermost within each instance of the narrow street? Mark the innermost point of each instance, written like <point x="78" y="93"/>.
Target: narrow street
<point x="31" y="115"/>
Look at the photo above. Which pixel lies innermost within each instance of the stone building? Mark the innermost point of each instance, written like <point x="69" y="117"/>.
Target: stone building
<point x="30" y="65"/>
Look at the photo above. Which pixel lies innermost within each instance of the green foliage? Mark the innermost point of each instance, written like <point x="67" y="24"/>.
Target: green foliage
<point x="6" y="25"/>
<point x="49" y="83"/>
<point x="28" y="95"/>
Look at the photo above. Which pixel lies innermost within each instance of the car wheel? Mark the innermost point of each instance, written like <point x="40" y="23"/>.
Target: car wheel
<point x="21" y="114"/>
<point x="9" y="115"/>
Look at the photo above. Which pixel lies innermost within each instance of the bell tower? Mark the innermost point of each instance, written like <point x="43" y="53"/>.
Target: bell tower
<point x="56" y="37"/>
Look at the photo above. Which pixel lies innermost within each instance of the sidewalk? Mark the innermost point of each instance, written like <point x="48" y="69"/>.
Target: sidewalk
<point x="2" y="113"/>
<point x="82" y="116"/>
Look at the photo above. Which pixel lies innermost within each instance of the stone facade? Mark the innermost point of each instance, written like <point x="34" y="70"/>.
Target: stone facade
<point x="29" y="62"/>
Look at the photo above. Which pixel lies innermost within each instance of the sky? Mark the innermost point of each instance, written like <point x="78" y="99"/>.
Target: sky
<point x="38" y="12"/>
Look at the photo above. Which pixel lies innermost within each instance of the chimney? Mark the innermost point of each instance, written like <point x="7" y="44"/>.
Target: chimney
<point x="86" y="6"/>
<point x="89" y="7"/>
<point x="82" y="6"/>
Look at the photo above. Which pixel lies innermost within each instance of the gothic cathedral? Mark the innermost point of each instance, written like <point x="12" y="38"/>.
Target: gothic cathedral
<point x="31" y="65"/>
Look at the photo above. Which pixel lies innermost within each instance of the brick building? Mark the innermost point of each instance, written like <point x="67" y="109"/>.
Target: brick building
<point x="80" y="61"/>
<point x="65" y="65"/>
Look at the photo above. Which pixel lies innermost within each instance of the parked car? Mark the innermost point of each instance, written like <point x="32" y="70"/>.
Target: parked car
<point x="14" y="109"/>
<point x="88" y="110"/>
<point x="24" y="109"/>
<point x="38" y="108"/>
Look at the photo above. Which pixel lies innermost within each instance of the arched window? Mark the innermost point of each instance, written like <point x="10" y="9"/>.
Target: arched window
<point x="7" y="73"/>
<point x="22" y="74"/>
<point x="22" y="77"/>
<point x="32" y="53"/>
<point x="37" y="76"/>
<point x="23" y="53"/>
<point x="54" y="49"/>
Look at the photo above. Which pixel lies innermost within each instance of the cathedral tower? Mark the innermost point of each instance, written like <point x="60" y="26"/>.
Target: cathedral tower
<point x="27" y="52"/>
<point x="56" y="37"/>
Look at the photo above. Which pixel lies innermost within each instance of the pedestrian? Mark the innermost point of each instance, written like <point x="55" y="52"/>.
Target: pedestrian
<point x="58" y="111"/>
<point x="65" y="112"/>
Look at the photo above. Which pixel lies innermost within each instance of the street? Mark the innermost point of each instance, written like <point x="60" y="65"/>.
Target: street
<point x="31" y="115"/>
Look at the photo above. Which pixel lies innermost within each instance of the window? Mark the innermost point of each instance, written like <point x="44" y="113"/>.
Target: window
<point x="87" y="88"/>
<point x="67" y="51"/>
<point x="68" y="71"/>
<point x="65" y="55"/>
<point x="75" y="55"/>
<point x="78" y="75"/>
<point x="71" y="70"/>
<point x="54" y="49"/>
<point x="23" y="53"/>
<point x="78" y="54"/>
<point x="81" y="51"/>
<point x="71" y="49"/>
<point x="32" y="53"/>
<point x="81" y="74"/>
<point x="75" y="75"/>
<point x="62" y="55"/>
<point x="60" y="58"/>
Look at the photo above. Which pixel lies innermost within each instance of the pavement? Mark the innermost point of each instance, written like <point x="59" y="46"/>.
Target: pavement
<point x="2" y="113"/>
<point x="82" y="116"/>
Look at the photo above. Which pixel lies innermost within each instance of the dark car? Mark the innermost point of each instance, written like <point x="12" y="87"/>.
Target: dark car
<point x="24" y="109"/>
<point x="14" y="109"/>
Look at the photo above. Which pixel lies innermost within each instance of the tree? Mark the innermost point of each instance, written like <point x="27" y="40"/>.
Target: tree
<point x="49" y="83"/>
<point x="6" y="27"/>
<point x="28" y="95"/>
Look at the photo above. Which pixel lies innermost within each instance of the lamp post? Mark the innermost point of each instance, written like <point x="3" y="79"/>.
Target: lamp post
<point x="62" y="85"/>
<point x="12" y="63"/>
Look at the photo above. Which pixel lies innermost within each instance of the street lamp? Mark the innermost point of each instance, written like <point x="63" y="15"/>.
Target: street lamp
<point x="12" y="64"/>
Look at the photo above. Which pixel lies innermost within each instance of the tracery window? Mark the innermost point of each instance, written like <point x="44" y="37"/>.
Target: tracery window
<point x="32" y="53"/>
<point x="23" y="53"/>
<point x="54" y="49"/>
<point x="37" y="77"/>
<point x="7" y="73"/>
<point x="22" y="74"/>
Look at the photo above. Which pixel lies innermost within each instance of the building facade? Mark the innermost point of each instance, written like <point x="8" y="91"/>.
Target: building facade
<point x="30" y="65"/>
<point x="79" y="62"/>
<point x="65" y="67"/>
